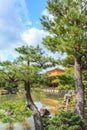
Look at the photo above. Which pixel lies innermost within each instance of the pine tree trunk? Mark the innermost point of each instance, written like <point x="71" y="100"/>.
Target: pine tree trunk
<point x="32" y="106"/>
<point x="79" y="108"/>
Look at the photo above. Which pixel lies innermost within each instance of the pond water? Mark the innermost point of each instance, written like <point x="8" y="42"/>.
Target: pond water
<point x="40" y="98"/>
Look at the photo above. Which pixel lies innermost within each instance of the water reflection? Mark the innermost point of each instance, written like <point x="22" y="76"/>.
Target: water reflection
<point x="17" y="126"/>
<point x="38" y="96"/>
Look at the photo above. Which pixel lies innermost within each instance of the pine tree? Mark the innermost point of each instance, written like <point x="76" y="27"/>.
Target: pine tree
<point x="68" y="34"/>
<point x="31" y="62"/>
<point x="27" y="70"/>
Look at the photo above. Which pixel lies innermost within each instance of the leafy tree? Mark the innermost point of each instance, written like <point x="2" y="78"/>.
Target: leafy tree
<point x="68" y="34"/>
<point x="65" y="121"/>
<point x="66" y="80"/>
<point x="30" y="64"/>
<point x="27" y="70"/>
<point x="8" y="74"/>
<point x="12" y="112"/>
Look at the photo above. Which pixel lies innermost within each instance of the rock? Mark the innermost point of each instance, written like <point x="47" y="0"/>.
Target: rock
<point x="44" y="112"/>
<point x="3" y="92"/>
<point x="8" y="112"/>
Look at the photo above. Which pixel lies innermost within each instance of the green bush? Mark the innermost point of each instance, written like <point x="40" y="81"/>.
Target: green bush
<point x="65" y="121"/>
<point x="64" y="87"/>
<point x="60" y="87"/>
<point x="14" y="111"/>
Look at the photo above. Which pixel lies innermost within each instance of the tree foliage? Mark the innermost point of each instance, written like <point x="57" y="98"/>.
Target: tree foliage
<point x="66" y="80"/>
<point x="65" y="121"/>
<point x="27" y="69"/>
<point x="12" y="112"/>
<point x="31" y="63"/>
<point x="8" y="75"/>
<point x="67" y="28"/>
<point x="68" y="33"/>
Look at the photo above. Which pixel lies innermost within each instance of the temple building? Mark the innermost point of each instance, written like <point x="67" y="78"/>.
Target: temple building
<point x="53" y="74"/>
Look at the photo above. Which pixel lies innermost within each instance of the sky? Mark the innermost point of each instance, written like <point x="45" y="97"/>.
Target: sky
<point x="20" y="25"/>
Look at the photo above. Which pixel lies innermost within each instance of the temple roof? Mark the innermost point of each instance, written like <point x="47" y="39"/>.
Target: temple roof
<point x="55" y="72"/>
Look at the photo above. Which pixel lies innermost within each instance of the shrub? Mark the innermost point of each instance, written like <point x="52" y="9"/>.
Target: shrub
<point x="13" y="111"/>
<point x="64" y="87"/>
<point x="65" y="121"/>
<point x="60" y="87"/>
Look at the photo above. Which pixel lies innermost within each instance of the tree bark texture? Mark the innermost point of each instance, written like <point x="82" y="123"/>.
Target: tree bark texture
<point x="79" y="108"/>
<point x="36" y="114"/>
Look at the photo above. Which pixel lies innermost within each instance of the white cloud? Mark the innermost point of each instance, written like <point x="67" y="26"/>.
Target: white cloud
<point x="7" y="54"/>
<point x="46" y="13"/>
<point x="24" y="9"/>
<point x="13" y="17"/>
<point x="10" y="24"/>
<point x="34" y="36"/>
<point x="2" y="56"/>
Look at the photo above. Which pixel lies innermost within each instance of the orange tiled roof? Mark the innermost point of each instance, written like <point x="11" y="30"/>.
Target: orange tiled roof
<point x="55" y="72"/>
